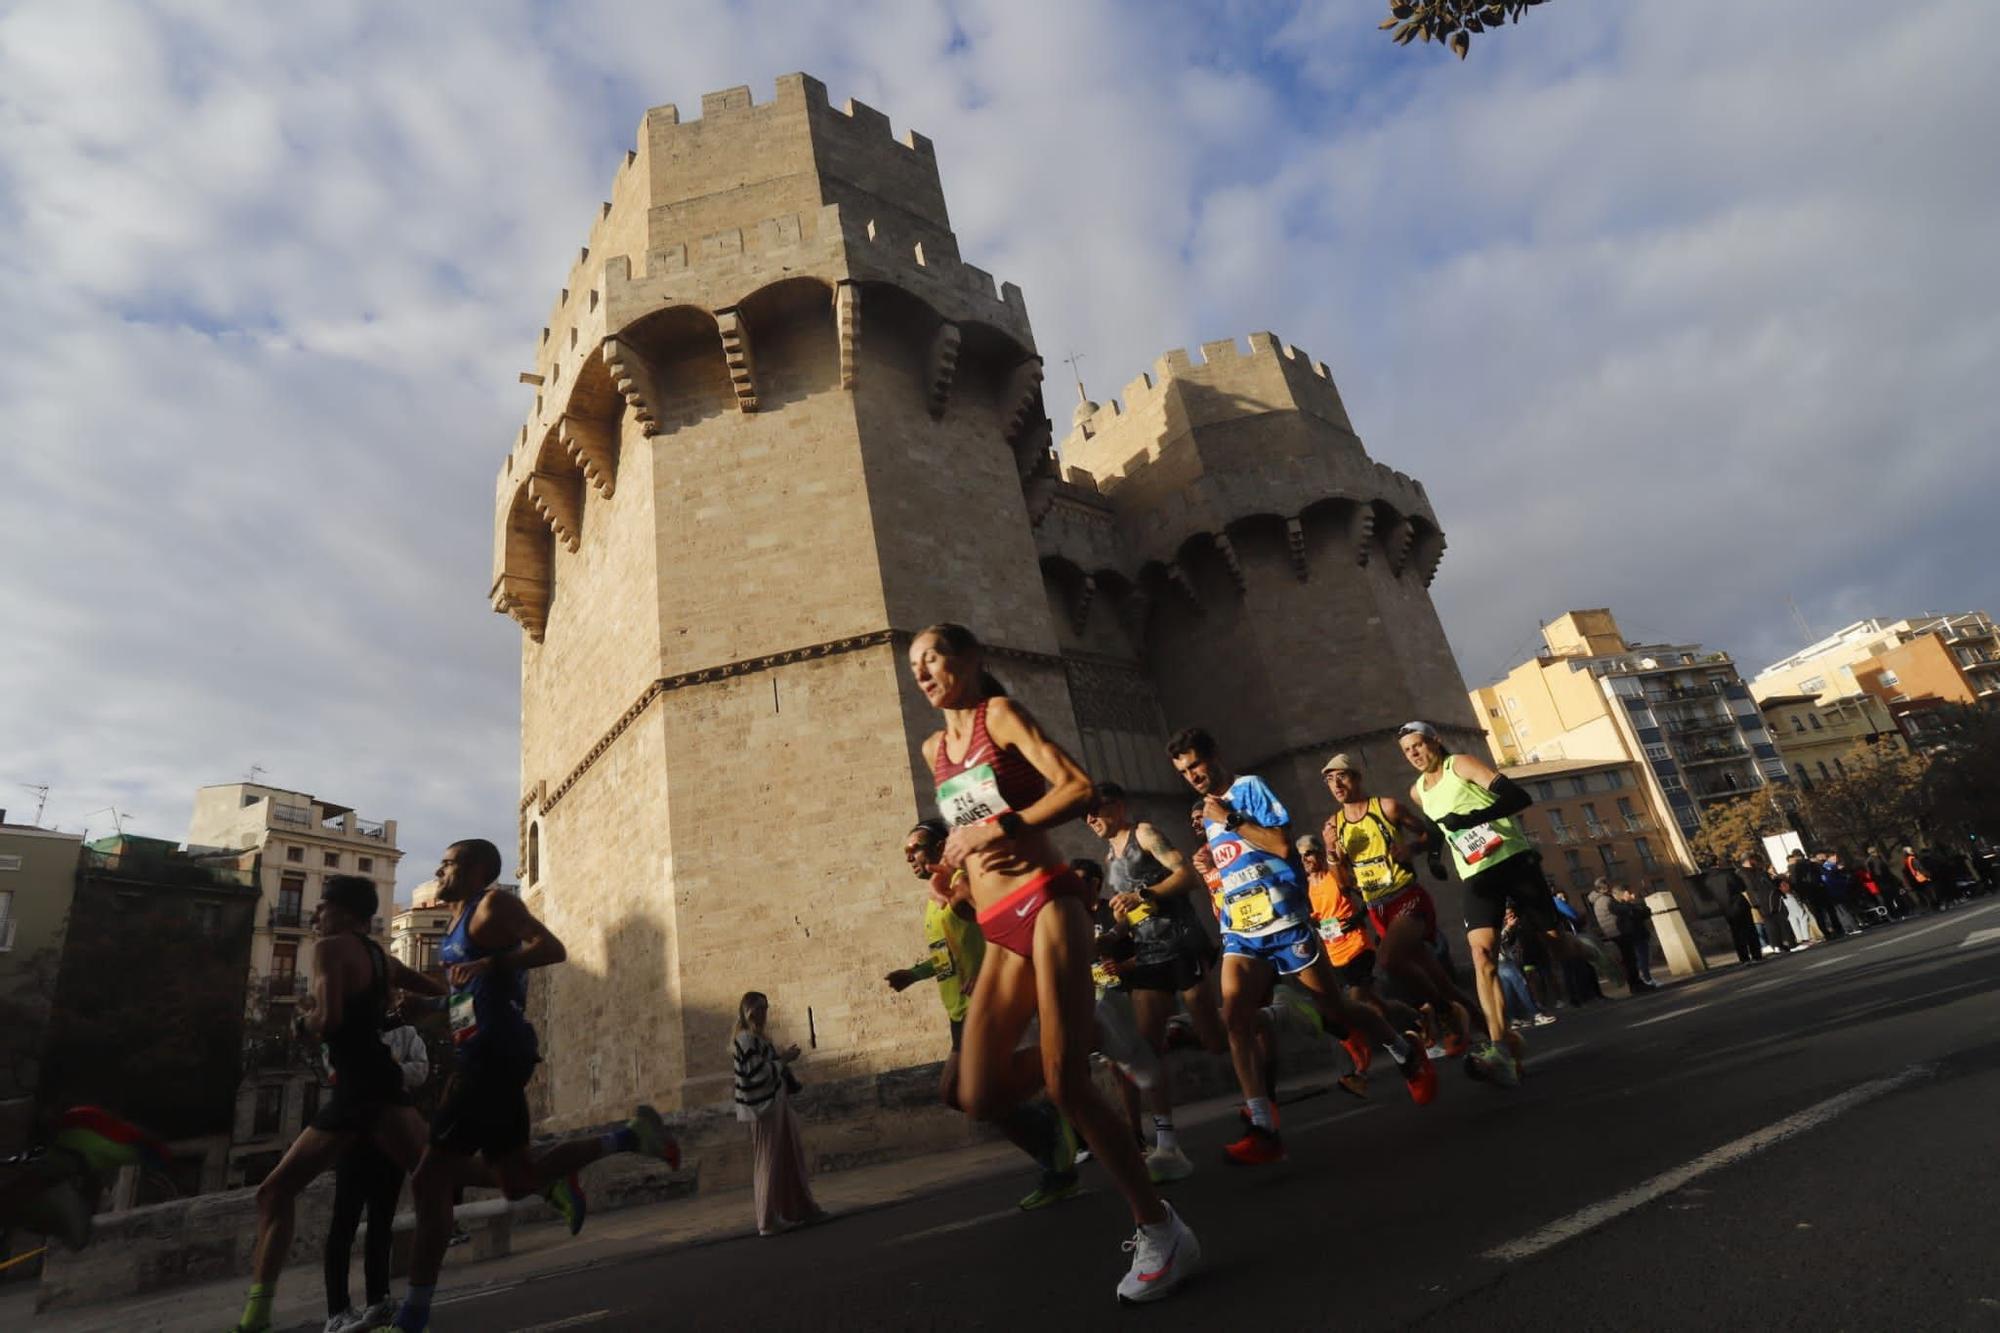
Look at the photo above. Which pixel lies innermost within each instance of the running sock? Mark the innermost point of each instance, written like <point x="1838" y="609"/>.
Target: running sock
<point x="416" y="1312"/>
<point x="1260" y="1112"/>
<point x="1399" y="1050"/>
<point x="1163" y="1133"/>
<point x="622" y="1139"/>
<point x="256" y="1310"/>
<point x="1162" y="1230"/>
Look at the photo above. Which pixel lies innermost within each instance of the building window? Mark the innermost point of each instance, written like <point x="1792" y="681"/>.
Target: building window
<point x="296" y="855"/>
<point x="1658" y="752"/>
<point x="1814" y="719"/>
<point x="1890" y="678"/>
<point x="330" y="859"/>
<point x="249" y="800"/>
<point x="1839" y="767"/>
<point x="6" y="920"/>
<point x="365" y="863"/>
<point x="284" y="960"/>
<point x="1814" y="686"/>
<point x="1797" y="725"/>
<point x="1824" y="776"/>
<point x="1609" y="855"/>
<point x="1574" y="858"/>
<point x="1670" y="782"/>
<point x="270" y="1109"/>
<point x="1645" y="849"/>
<point x="10" y="863"/>
<point x="1591" y="821"/>
<point x="1614" y="779"/>
<point x="1578" y="786"/>
<point x="534" y="852"/>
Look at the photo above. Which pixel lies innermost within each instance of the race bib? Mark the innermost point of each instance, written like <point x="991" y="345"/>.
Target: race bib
<point x="464" y="1025"/>
<point x="1330" y="928"/>
<point x="1474" y="843"/>
<point x="1141" y="911"/>
<point x="1102" y="976"/>
<point x="1251" y="911"/>
<point x="973" y="797"/>
<point x="1374" y="873"/>
<point x="941" y="964"/>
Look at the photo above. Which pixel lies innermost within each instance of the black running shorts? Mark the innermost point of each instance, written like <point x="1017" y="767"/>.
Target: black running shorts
<point x="1183" y="971"/>
<point x="1517" y="880"/>
<point x="484" y="1109"/>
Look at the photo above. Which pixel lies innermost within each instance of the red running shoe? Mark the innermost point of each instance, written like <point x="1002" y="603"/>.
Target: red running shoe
<point x="1358" y="1051"/>
<point x="1420" y="1073"/>
<point x="1257" y="1147"/>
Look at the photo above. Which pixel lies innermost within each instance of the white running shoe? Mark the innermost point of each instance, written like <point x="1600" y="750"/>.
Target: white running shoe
<point x="1166" y="1165"/>
<point x="1159" y="1265"/>
<point x="347" y="1321"/>
<point x="1543" y="1019"/>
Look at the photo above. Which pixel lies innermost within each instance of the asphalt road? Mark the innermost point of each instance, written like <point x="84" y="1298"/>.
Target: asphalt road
<point x="1808" y="1142"/>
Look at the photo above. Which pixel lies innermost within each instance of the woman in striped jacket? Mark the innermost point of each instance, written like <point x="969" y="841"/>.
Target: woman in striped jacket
<point x="782" y="1197"/>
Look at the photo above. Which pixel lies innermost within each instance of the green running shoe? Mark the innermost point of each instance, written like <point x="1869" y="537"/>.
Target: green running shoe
<point x="1055" y="1187"/>
<point x="566" y="1197"/>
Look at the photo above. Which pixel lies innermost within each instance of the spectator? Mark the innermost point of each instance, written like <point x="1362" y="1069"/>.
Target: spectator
<point x="1737" y="910"/>
<point x="1840" y="891"/>
<point x="1522" y="1006"/>
<point x="782" y="1197"/>
<point x="1766" y="893"/>
<point x="1917" y="879"/>
<point x="1811" y="892"/>
<point x="1637" y="919"/>
<point x="1887" y="885"/>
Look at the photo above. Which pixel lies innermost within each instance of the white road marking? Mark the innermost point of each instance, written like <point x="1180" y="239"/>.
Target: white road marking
<point x="1978" y="937"/>
<point x="574" y="1321"/>
<point x="967" y="1223"/>
<point x="1597" y="1214"/>
<point x="1324" y="1121"/>
<point x="1897" y="938"/>
<point x="1677" y="1013"/>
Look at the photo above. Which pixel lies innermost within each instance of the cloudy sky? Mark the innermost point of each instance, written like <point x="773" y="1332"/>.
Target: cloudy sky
<point x="1678" y="308"/>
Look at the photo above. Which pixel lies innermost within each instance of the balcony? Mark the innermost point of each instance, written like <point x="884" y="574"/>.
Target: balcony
<point x="1564" y="836"/>
<point x="1639" y="824"/>
<point x="368" y="828"/>
<point x="1597" y="831"/>
<point x="1713" y="754"/>
<point x="1696" y="726"/>
<point x="296" y="816"/>
<point x="284" y="989"/>
<point x="284" y="918"/>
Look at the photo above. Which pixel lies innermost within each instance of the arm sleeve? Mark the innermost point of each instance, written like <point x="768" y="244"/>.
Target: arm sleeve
<point x="1254" y="799"/>
<point x="1509" y="798"/>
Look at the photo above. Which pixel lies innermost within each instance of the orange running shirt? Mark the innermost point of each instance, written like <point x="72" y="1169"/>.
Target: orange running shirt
<point x="1339" y="918"/>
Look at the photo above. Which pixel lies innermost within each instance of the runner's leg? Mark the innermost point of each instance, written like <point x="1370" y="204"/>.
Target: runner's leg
<point x="1245" y="983"/>
<point x="349" y="1202"/>
<point x="311" y="1153"/>
<point x="1483" y="941"/>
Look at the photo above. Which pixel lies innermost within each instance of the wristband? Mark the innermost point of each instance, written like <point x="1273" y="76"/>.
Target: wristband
<point x="1236" y="819"/>
<point x="924" y="971"/>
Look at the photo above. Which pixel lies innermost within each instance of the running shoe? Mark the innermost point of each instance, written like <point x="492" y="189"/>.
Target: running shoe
<point x="1257" y="1147"/>
<point x="566" y="1197"/>
<point x="1490" y="1064"/>
<point x="1542" y="1020"/>
<point x="1358" y="1051"/>
<point x="1419" y="1073"/>
<point x="654" y="1140"/>
<point x="1160" y="1262"/>
<point x="348" y="1321"/>
<point x="1068" y="1153"/>
<point x="1166" y="1165"/>
<point x="1353" y="1085"/>
<point x="1053" y="1189"/>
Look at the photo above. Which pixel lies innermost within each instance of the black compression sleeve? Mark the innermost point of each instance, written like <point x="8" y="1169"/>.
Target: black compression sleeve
<point x="1509" y="798"/>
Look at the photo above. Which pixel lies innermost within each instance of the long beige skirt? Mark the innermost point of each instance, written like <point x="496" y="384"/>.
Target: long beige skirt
<point x="779" y="1190"/>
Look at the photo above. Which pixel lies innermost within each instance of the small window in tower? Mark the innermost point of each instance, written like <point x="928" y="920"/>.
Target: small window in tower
<point x="534" y="852"/>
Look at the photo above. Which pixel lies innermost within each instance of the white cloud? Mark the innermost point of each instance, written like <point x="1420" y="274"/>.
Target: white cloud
<point x="1669" y="316"/>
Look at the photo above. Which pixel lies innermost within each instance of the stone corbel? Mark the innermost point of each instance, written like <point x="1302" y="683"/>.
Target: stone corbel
<point x="1361" y="531"/>
<point x="1428" y="558"/>
<point x="942" y="367"/>
<point x="847" y="323"/>
<point x="736" y="352"/>
<point x="556" y="498"/>
<point x="1228" y="554"/>
<point x="1295" y="542"/>
<point x="1024" y="386"/>
<point x="1398" y="543"/>
<point x="1179" y="578"/>
<point x="524" y="599"/>
<point x="593" y="446"/>
<point x="1079" y="610"/>
<point x="634" y="381"/>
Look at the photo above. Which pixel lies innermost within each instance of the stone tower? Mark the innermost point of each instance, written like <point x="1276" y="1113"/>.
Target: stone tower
<point x="778" y="427"/>
<point x="1221" y="551"/>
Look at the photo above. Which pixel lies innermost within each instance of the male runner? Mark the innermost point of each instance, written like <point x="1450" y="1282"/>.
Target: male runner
<point x="956" y="950"/>
<point x="351" y="981"/>
<point x="1152" y="896"/>
<point x="1496" y="861"/>
<point x="1268" y="933"/>
<point x="1343" y="931"/>
<point x="493" y="941"/>
<point x="1374" y="839"/>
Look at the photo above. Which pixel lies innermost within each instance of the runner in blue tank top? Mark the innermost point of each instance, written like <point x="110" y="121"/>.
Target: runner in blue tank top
<point x="483" y="1113"/>
<point x="1268" y="933"/>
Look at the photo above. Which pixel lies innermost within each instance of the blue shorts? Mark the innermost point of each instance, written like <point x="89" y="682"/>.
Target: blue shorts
<point x="1291" y="950"/>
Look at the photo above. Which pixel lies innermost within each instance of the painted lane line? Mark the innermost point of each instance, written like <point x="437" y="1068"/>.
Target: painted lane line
<point x="1597" y="1214"/>
<point x="1882" y="944"/>
<point x="967" y="1223"/>
<point x="574" y="1321"/>
<point x="1677" y="1013"/>
<point x="1295" y="1130"/>
<point x="1979" y="937"/>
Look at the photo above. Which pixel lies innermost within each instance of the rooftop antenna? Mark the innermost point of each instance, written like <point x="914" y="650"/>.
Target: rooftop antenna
<point x="117" y="819"/>
<point x="41" y="791"/>
<point x="1072" y="359"/>
<point x="255" y="769"/>
<point x="1799" y="617"/>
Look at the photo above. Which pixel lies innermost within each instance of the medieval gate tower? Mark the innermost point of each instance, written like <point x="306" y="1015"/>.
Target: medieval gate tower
<point x="779" y="426"/>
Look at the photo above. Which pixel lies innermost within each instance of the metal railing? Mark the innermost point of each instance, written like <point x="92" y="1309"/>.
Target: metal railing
<point x="368" y="828"/>
<point x="285" y="918"/>
<point x="1639" y="823"/>
<point x="1564" y="836"/>
<point x="291" y="814"/>
<point x="1598" y="830"/>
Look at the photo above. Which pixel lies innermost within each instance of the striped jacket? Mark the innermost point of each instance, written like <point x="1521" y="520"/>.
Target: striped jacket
<point x="759" y="1074"/>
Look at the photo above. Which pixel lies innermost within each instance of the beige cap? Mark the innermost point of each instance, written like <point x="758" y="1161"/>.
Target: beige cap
<point x="1340" y="763"/>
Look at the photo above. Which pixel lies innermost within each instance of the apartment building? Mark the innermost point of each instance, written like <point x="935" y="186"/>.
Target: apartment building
<point x="1819" y="737"/>
<point x="1682" y="715"/>
<point x="1944" y="658"/>
<point x="1598" y="817"/>
<point x="37" y="882"/>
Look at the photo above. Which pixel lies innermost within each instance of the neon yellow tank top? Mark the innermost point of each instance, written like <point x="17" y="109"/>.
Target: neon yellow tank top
<point x="1366" y="842"/>
<point x="1482" y="846"/>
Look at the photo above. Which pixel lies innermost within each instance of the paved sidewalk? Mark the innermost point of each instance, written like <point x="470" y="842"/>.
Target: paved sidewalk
<point x="544" y="1249"/>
